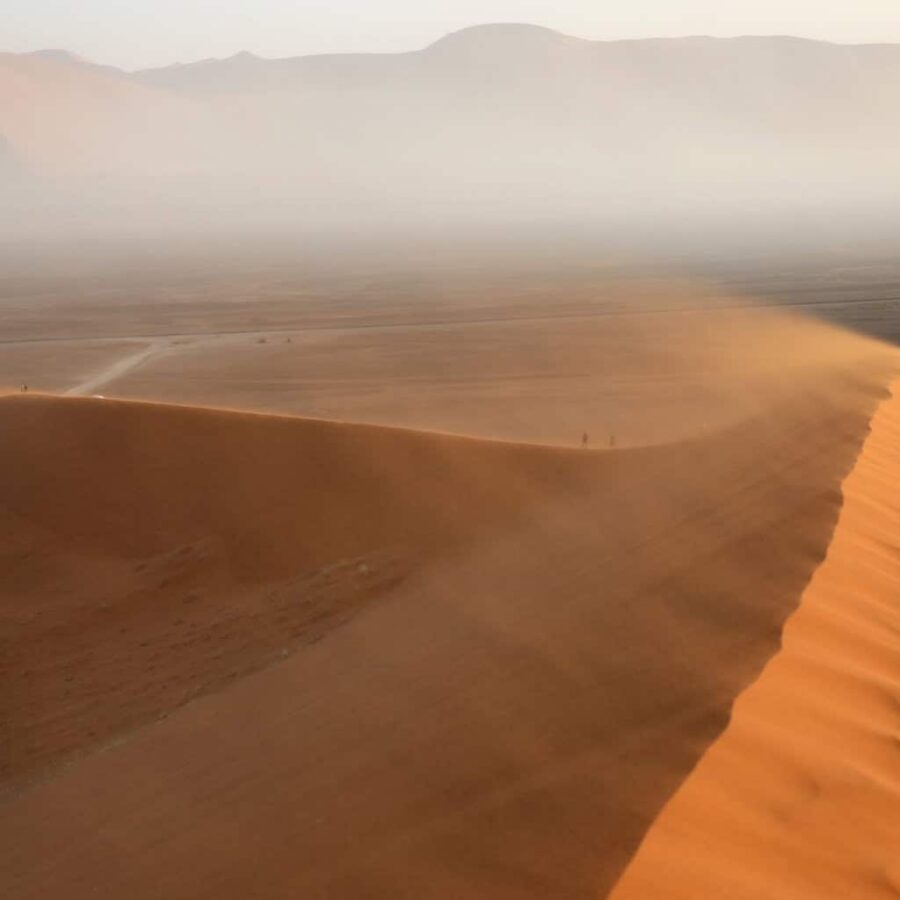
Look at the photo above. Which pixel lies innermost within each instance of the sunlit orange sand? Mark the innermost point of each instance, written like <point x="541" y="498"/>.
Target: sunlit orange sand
<point x="801" y="795"/>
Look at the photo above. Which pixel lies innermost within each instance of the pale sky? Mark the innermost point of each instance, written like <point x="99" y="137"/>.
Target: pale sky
<point x="138" y="33"/>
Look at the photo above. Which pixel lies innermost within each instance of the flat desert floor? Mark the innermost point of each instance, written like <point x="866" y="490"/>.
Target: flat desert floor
<point x="327" y="596"/>
<point x="540" y="349"/>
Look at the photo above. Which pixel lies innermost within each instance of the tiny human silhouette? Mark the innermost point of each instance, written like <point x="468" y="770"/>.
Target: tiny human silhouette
<point x="612" y="442"/>
<point x="24" y="388"/>
<point x="584" y="439"/>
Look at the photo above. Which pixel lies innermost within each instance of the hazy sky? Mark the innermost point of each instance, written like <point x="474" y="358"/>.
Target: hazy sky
<point x="135" y="33"/>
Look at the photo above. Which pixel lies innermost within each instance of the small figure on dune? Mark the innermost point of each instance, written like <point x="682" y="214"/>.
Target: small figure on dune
<point x="24" y="388"/>
<point x="612" y="442"/>
<point x="584" y="440"/>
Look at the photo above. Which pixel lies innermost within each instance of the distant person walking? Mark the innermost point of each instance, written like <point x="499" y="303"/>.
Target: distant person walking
<point x="24" y="388"/>
<point x="584" y="441"/>
<point x="612" y="442"/>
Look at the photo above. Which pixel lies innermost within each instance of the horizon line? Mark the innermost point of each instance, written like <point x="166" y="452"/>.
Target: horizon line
<point x="76" y="57"/>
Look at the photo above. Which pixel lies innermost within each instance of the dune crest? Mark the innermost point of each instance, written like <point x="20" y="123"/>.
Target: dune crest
<point x="800" y="797"/>
<point x="564" y="640"/>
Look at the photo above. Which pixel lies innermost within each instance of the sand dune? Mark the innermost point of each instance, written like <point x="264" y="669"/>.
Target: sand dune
<point x="63" y="117"/>
<point x="281" y="494"/>
<point x="144" y="534"/>
<point x="801" y="796"/>
<point x="389" y="663"/>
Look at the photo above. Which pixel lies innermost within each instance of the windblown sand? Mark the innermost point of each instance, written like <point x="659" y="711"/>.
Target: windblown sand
<point x="251" y="655"/>
<point x="800" y="797"/>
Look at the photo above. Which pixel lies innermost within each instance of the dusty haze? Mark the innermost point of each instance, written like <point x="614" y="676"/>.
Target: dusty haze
<point x="504" y="124"/>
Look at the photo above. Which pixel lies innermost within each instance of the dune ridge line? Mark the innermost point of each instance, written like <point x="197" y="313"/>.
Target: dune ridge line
<point x="800" y="796"/>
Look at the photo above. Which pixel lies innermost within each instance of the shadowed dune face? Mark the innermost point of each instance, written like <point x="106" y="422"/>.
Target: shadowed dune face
<point x="558" y="636"/>
<point x="279" y="495"/>
<point x="800" y="795"/>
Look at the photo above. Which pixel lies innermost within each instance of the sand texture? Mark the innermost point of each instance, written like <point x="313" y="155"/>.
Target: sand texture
<point x="800" y="797"/>
<point x="261" y="656"/>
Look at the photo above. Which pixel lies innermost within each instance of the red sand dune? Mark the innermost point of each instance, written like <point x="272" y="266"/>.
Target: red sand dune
<point x="535" y="645"/>
<point x="800" y="797"/>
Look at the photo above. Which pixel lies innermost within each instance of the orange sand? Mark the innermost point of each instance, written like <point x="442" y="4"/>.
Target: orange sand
<point x="800" y="798"/>
<point x="261" y="656"/>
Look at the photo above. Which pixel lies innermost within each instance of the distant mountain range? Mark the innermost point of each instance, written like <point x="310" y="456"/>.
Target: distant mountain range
<point x="501" y="111"/>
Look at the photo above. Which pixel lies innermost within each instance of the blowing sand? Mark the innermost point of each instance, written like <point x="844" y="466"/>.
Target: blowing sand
<point x="539" y="357"/>
<point x="800" y="797"/>
<point x="254" y="655"/>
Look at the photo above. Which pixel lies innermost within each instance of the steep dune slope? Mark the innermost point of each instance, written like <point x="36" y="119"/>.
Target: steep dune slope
<point x="567" y="638"/>
<point x="800" y="797"/>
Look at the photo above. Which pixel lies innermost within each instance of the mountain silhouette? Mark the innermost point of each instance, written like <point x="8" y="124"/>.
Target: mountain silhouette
<point x="495" y="114"/>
